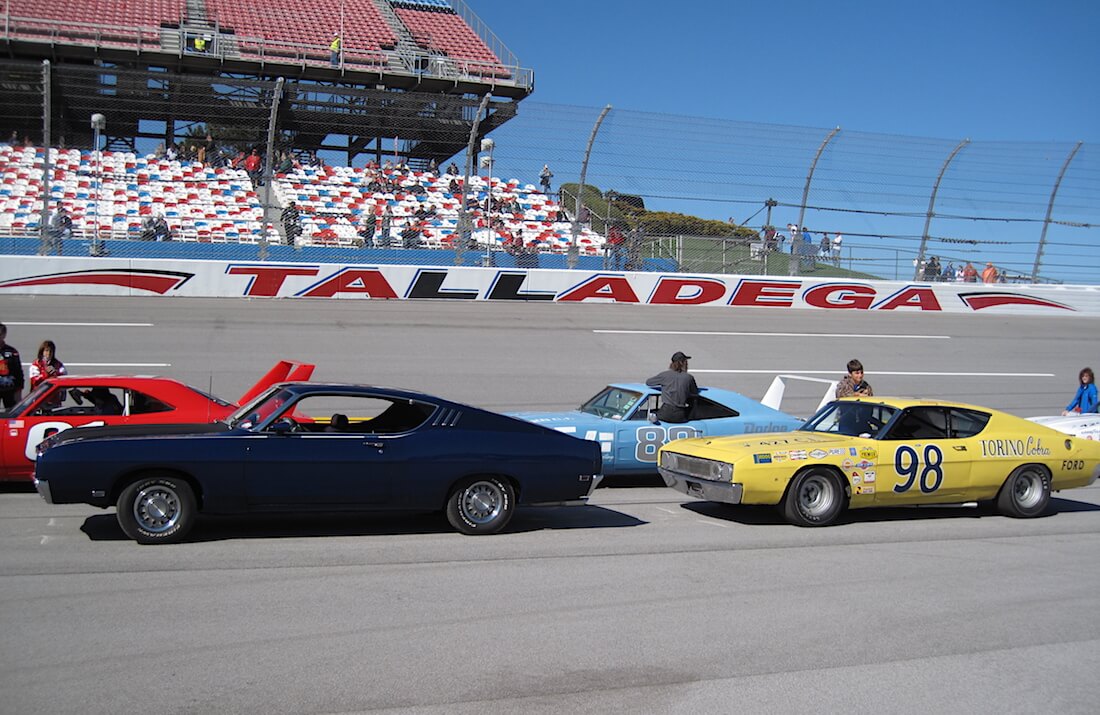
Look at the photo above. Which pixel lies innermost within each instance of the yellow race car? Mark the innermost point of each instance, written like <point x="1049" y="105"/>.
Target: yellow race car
<point x="863" y="452"/>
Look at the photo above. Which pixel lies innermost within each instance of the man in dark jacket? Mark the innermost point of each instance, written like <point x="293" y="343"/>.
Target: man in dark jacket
<point x="11" y="372"/>
<point x="678" y="390"/>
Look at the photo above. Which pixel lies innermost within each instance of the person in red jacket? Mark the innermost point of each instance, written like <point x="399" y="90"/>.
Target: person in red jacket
<point x="46" y="365"/>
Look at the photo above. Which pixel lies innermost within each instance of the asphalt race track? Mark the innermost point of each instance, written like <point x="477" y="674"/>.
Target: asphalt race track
<point x="642" y="601"/>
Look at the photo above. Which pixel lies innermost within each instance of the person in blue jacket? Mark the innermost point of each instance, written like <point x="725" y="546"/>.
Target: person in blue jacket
<point x="1085" y="400"/>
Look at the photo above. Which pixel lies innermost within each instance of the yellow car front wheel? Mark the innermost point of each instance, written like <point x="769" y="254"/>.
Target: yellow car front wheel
<point x="814" y="497"/>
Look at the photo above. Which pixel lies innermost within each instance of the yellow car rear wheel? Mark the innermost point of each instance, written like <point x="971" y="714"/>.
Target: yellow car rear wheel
<point x="1026" y="492"/>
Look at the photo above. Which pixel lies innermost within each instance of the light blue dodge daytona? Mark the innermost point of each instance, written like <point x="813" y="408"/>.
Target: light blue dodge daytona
<point x="622" y="418"/>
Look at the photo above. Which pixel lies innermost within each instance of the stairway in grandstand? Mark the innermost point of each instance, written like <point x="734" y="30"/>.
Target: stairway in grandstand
<point x="407" y="52"/>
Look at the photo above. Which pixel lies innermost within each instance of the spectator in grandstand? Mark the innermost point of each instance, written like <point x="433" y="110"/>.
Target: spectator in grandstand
<point x="367" y="227"/>
<point x="158" y="152"/>
<point x="161" y="230"/>
<point x="292" y="223"/>
<point x="14" y="138"/>
<point x="285" y="164"/>
<point x="853" y="384"/>
<point x="387" y="166"/>
<point x="237" y="162"/>
<point x="529" y="256"/>
<point x="616" y="247"/>
<point x="838" y="241"/>
<point x="147" y="231"/>
<point x="949" y="273"/>
<point x="932" y="269"/>
<point x="170" y="152"/>
<point x="59" y="227"/>
<point x="544" y="178"/>
<point x="452" y="169"/>
<point x="253" y="164"/>
<point x="1085" y="400"/>
<point x="826" y="247"/>
<point x="989" y="274"/>
<point x="678" y="390"/>
<point x="11" y="372"/>
<point x="334" y="49"/>
<point x="969" y="273"/>
<point x="199" y="43"/>
<point x="387" y="226"/>
<point x="410" y="237"/>
<point x="46" y="365"/>
<point x="792" y="229"/>
<point x="769" y="236"/>
<point x="454" y="187"/>
<point x="433" y="166"/>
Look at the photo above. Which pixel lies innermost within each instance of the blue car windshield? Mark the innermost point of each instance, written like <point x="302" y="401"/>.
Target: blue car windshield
<point x="851" y="418"/>
<point x="259" y="409"/>
<point x="614" y="403"/>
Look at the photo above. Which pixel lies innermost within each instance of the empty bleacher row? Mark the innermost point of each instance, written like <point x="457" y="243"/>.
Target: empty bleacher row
<point x="219" y="204"/>
<point x="302" y="29"/>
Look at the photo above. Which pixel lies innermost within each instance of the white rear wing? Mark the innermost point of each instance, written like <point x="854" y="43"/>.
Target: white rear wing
<point x="773" y="398"/>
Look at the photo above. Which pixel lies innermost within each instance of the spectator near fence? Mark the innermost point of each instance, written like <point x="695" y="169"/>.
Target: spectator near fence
<point x="969" y="273"/>
<point x="292" y="223"/>
<point x="989" y="274"/>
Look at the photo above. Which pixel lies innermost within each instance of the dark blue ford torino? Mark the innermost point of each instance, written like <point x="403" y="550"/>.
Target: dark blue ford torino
<point x="316" y="447"/>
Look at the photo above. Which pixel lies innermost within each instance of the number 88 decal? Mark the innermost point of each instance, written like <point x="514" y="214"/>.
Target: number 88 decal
<point x="650" y="440"/>
<point x="907" y="465"/>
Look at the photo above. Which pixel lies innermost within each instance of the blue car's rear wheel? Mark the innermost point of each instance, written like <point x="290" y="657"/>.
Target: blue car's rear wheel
<point x="814" y="497"/>
<point x="157" y="509"/>
<point x="481" y="505"/>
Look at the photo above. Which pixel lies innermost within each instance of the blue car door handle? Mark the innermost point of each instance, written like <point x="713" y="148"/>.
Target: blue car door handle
<point x="376" y="445"/>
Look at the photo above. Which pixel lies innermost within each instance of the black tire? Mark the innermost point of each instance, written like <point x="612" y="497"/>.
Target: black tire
<point x="814" y="497"/>
<point x="157" y="509"/>
<point x="1026" y="492"/>
<point x="481" y="505"/>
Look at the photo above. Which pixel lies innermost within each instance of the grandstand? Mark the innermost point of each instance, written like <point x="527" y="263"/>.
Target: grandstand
<point x="109" y="194"/>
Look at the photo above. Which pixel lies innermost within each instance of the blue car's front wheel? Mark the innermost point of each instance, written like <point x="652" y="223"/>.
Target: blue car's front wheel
<point x="157" y="509"/>
<point x="481" y="505"/>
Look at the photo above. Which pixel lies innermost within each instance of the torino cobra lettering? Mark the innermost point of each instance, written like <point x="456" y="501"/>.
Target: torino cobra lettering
<point x="1031" y="447"/>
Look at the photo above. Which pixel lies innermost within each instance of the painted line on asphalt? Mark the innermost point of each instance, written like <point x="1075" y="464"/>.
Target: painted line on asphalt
<point x="773" y="335"/>
<point x="88" y="325"/>
<point x="774" y="371"/>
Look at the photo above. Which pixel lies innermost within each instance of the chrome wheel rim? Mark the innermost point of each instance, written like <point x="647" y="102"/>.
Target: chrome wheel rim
<point x="816" y="496"/>
<point x="1027" y="490"/>
<point x="157" y="508"/>
<point x="482" y="502"/>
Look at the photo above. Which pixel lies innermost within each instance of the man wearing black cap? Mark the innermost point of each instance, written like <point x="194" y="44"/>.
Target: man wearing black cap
<point x="678" y="390"/>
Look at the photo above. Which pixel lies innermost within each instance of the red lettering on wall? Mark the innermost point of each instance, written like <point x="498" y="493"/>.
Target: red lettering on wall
<point x="267" y="280"/>
<point x="616" y="288"/>
<point x="840" y="296"/>
<point x="369" y="282"/>
<point x="912" y="297"/>
<point x="771" y="293"/>
<point x="668" y="291"/>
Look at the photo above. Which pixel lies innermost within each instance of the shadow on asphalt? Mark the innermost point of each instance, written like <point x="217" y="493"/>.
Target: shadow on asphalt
<point x="16" y="487"/>
<point x="104" y="527"/>
<point x="751" y="515"/>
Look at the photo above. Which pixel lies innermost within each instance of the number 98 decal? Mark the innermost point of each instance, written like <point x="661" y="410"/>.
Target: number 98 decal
<point x="651" y="438"/>
<point x="908" y="465"/>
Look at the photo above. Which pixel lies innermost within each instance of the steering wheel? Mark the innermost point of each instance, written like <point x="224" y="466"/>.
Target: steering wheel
<point x="294" y="426"/>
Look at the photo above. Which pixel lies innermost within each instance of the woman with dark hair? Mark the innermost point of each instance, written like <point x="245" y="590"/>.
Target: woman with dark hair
<point x="46" y="365"/>
<point x="1085" y="400"/>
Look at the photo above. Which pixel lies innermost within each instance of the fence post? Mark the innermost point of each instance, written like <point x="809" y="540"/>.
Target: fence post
<point x="44" y="215"/>
<point x="269" y="174"/>
<point x="931" y="209"/>
<point x="1050" y="208"/>
<point x="793" y="264"/>
<point x="571" y="258"/>
<point x="465" y="225"/>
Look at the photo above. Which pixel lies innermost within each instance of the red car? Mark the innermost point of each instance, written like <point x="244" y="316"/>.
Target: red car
<point x="64" y="402"/>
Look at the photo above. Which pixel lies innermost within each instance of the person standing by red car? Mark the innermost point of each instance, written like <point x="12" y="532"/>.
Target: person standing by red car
<point x="46" y="365"/>
<point x="11" y="372"/>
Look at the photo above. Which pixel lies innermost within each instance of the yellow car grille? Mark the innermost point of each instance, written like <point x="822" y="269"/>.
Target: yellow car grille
<point x="695" y="467"/>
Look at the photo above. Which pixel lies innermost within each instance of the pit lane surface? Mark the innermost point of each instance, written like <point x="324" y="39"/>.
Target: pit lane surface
<point x="643" y="601"/>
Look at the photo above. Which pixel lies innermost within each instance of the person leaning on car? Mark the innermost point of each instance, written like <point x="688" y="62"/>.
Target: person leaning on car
<point x="678" y="390"/>
<point x="853" y="383"/>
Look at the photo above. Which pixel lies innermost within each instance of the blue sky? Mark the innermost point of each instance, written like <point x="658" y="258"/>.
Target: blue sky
<point x="1019" y="79"/>
<point x="984" y="69"/>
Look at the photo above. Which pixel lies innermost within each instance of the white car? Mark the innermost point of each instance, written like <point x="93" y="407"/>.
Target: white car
<point x="1086" y="426"/>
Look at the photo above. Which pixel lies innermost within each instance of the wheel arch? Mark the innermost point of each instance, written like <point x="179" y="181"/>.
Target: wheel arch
<point x="831" y="468"/>
<point x="129" y="477"/>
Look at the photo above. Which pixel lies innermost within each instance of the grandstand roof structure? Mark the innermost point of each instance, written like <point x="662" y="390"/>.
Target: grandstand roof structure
<point x="410" y="71"/>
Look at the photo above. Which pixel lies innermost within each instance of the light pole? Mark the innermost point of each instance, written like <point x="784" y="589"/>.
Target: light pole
<point x="486" y="162"/>
<point x="99" y="123"/>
